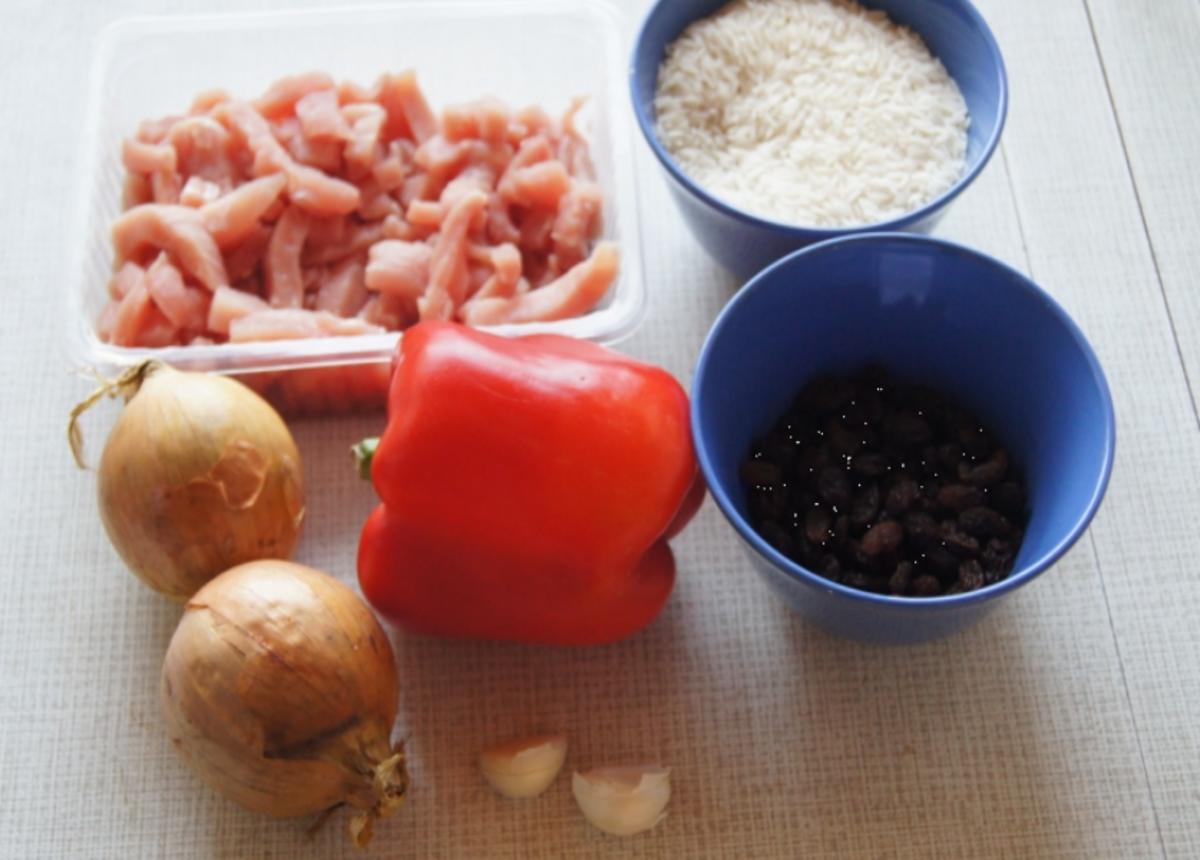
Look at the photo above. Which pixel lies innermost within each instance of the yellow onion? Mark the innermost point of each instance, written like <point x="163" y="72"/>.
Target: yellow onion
<point x="199" y="474"/>
<point x="280" y="691"/>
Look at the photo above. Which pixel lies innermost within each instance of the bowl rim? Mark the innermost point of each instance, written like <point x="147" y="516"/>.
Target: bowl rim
<point x="798" y="572"/>
<point x="800" y="231"/>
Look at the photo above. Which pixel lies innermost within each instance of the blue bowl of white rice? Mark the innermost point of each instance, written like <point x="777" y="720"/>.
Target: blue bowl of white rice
<point x="781" y="123"/>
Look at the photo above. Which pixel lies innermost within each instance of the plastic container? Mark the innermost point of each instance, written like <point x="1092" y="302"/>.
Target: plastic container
<point x="541" y="52"/>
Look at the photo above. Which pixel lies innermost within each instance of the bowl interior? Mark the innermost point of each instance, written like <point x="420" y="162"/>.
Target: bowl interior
<point x="930" y="312"/>
<point x="952" y="29"/>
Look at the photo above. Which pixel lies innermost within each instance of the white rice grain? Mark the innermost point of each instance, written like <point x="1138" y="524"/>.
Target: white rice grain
<point x="813" y="112"/>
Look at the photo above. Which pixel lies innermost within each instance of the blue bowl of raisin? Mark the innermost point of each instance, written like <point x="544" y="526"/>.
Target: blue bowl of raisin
<point x="901" y="431"/>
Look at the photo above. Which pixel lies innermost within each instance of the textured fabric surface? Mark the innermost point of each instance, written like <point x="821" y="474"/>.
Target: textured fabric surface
<point x="1061" y="726"/>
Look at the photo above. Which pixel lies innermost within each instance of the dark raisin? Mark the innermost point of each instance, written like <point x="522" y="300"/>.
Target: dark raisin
<point x="883" y="537"/>
<point x="957" y="541"/>
<point x="842" y="439"/>
<point x="997" y="558"/>
<point x="1008" y="498"/>
<point x="841" y="530"/>
<point x="870" y="464"/>
<point x="829" y="567"/>
<point x="949" y="454"/>
<point x="901" y="579"/>
<point x="864" y="581"/>
<point x="959" y="497"/>
<point x="816" y="525"/>
<point x="760" y="473"/>
<point x="834" y="485"/>
<point x="900" y="497"/>
<point x="983" y="522"/>
<point x="922" y="530"/>
<point x="986" y="473"/>
<point x="970" y="575"/>
<point x="906" y="430"/>
<point x="926" y="586"/>
<point x="778" y="537"/>
<point x="975" y="441"/>
<point x="865" y="505"/>
<point x="941" y="561"/>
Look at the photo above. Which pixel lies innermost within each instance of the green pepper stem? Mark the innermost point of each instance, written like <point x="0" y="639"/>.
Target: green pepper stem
<point x="364" y="453"/>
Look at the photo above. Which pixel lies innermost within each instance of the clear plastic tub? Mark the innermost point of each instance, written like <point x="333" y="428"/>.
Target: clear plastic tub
<point x="524" y="51"/>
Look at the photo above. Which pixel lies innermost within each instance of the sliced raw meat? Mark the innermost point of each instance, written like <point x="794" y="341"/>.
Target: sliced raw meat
<point x="505" y="263"/>
<point x="178" y="230"/>
<point x="399" y="268"/>
<point x="448" y="267"/>
<point x="572" y="294"/>
<point x="198" y="191"/>
<point x="186" y="307"/>
<point x="139" y="157"/>
<point x="229" y="304"/>
<point x="281" y="97"/>
<point x="125" y="279"/>
<point x="296" y="323"/>
<point x="321" y="117"/>
<point x="364" y="150"/>
<point x="576" y="222"/>
<point x="343" y="291"/>
<point x="285" y="280"/>
<point x="234" y="216"/>
<point x="242" y="261"/>
<point x="203" y="147"/>
<point x="408" y="112"/>
<point x="356" y="239"/>
<point x="133" y="315"/>
<point x="541" y="184"/>
<point x="485" y="119"/>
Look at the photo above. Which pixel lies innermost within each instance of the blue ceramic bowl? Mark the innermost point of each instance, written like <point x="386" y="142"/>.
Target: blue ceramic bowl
<point x="928" y="311"/>
<point x="743" y="243"/>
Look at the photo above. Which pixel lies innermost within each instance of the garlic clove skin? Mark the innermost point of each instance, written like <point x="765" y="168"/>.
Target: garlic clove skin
<point x="623" y="800"/>
<point x="525" y="767"/>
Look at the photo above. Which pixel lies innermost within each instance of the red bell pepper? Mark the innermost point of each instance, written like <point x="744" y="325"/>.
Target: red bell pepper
<point x="528" y="489"/>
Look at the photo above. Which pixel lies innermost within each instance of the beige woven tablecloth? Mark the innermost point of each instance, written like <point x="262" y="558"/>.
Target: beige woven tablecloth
<point x="1058" y="727"/>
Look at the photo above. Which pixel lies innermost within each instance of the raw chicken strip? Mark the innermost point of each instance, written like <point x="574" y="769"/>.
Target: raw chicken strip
<point x="203" y="147"/>
<point x="229" y="304"/>
<point x="233" y="217"/>
<point x="198" y="191"/>
<point x="408" y="112"/>
<point x="399" y="268"/>
<point x="572" y="294"/>
<point x="321" y="117"/>
<point x="178" y="230"/>
<point x="285" y="280"/>
<point x="505" y="261"/>
<point x="133" y="313"/>
<point x="364" y="149"/>
<point x="186" y="307"/>
<point x="125" y="279"/>
<point x="139" y="157"/>
<point x="487" y="118"/>
<point x="343" y="291"/>
<point x="307" y="187"/>
<point x="291" y="323"/>
<point x="242" y="261"/>
<point x="448" y="268"/>
<point x="281" y="97"/>
<point x="576" y="222"/>
<point x="356" y="240"/>
<point x="541" y="184"/>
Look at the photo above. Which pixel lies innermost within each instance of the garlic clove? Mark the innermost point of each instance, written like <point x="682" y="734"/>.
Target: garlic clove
<point x="524" y="767"/>
<point x="623" y="800"/>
